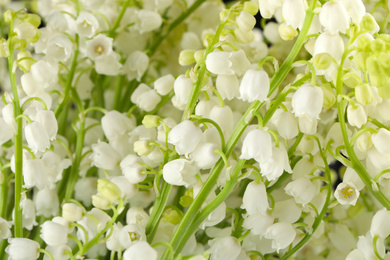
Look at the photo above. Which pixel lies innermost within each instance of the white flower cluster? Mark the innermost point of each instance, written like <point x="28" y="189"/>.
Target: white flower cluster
<point x="145" y="130"/>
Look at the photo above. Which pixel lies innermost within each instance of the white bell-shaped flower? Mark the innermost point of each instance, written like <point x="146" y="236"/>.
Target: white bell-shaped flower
<point x="148" y="100"/>
<point x="86" y="24"/>
<point x="36" y="137"/>
<point x="72" y="212"/>
<point x="255" y="199"/>
<point x="48" y="121"/>
<point x="185" y="137"/>
<point x="287" y="211"/>
<point x="147" y="21"/>
<point x="223" y="116"/>
<point x="131" y="168"/>
<point x="269" y="7"/>
<point x="190" y="41"/>
<point x="294" y="13"/>
<point x="108" y="64"/>
<point x="223" y="248"/>
<point x="245" y="21"/>
<point x="5" y="226"/>
<point x="140" y="251"/>
<point x="334" y="17"/>
<point x="302" y="189"/>
<point x="355" y="254"/>
<point x="308" y="100"/>
<point x="35" y="174"/>
<point x="100" y="45"/>
<point x="164" y="84"/>
<point x="115" y="124"/>
<point x="356" y="115"/>
<point x="356" y="9"/>
<point x="131" y="234"/>
<point x="22" y="248"/>
<point x="28" y="213"/>
<point x="182" y="88"/>
<point x="381" y="140"/>
<point x="205" y="156"/>
<point x="45" y="73"/>
<point x="31" y="86"/>
<point x="277" y="164"/>
<point x="351" y="176"/>
<point x="7" y="131"/>
<point x="137" y="215"/>
<point x="46" y="202"/>
<point x="380" y="225"/>
<point x="257" y="145"/>
<point x="228" y="86"/>
<point x="54" y="234"/>
<point x="215" y="217"/>
<point x="25" y="30"/>
<point x="287" y="125"/>
<point x="104" y="156"/>
<point x="329" y="43"/>
<point x="282" y="235"/>
<point x="366" y="246"/>
<point x="136" y="65"/>
<point x="59" y="48"/>
<point x="254" y="85"/>
<point x="58" y="252"/>
<point x="346" y="194"/>
<point x="180" y="172"/>
<point x="227" y="63"/>
<point x="258" y="223"/>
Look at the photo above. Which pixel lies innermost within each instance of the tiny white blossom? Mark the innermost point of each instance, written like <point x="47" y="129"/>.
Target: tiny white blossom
<point x="308" y="100"/>
<point x="282" y="235"/>
<point x="254" y="85"/>
<point x="22" y="249"/>
<point x="346" y="193"/>
<point x="86" y="24"/>
<point x="185" y="137"/>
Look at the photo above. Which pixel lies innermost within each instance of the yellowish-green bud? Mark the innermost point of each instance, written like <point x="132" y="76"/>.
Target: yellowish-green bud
<point x="18" y="44"/>
<point x="251" y="7"/>
<point x="384" y="91"/>
<point x="4" y="51"/>
<point x="360" y="60"/>
<point x="322" y="61"/>
<point x="286" y="32"/>
<point x="142" y="147"/>
<point x="26" y="63"/>
<point x="374" y="66"/>
<point x="9" y="15"/>
<point x="186" y="57"/>
<point x="108" y="190"/>
<point x="151" y="121"/>
<point x="186" y="201"/>
<point x="100" y="202"/>
<point x="368" y="23"/>
<point x="34" y="19"/>
<point x="384" y="59"/>
<point x="364" y="94"/>
<point x="363" y="43"/>
<point x="199" y="55"/>
<point x="329" y="96"/>
<point x="36" y="37"/>
<point x="244" y="36"/>
<point x="364" y="142"/>
<point x="378" y="45"/>
<point x="207" y="39"/>
<point x="172" y="216"/>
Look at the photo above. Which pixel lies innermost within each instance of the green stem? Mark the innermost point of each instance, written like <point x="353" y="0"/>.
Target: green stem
<point x="278" y="77"/>
<point x="118" y="20"/>
<point x="69" y="81"/>
<point x="18" y="226"/>
<point x="77" y="159"/>
<point x="118" y="91"/>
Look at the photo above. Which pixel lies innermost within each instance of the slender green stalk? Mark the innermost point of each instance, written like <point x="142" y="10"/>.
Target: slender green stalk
<point x="69" y="81"/>
<point x="118" y="91"/>
<point x="118" y="20"/>
<point x="279" y="76"/>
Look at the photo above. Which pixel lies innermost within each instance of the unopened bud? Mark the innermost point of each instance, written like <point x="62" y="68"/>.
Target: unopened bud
<point x="100" y="202"/>
<point x="329" y="96"/>
<point x="25" y="63"/>
<point x="199" y="55"/>
<point x="368" y="23"/>
<point x="322" y="61"/>
<point x="108" y="190"/>
<point x="25" y="31"/>
<point x="9" y="15"/>
<point x="364" y="94"/>
<point x="286" y="32"/>
<point x="36" y="37"/>
<point x="72" y="212"/>
<point x="33" y="19"/>
<point x="4" y="51"/>
<point x="151" y="121"/>
<point x="186" y="57"/>
<point x="244" y="36"/>
<point x="251" y="7"/>
<point x="172" y="216"/>
<point x="378" y="45"/>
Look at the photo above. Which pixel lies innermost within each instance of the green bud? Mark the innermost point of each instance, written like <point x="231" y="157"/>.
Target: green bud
<point x="18" y="44"/>
<point x="186" y="201"/>
<point x="374" y="67"/>
<point x="378" y="45"/>
<point x="100" y="202"/>
<point x="322" y="61"/>
<point x="286" y="32"/>
<point x="36" y="37"/>
<point x="9" y="15"/>
<point x="384" y="91"/>
<point x="329" y="96"/>
<point x="151" y="121"/>
<point x="4" y="51"/>
<point x="108" y="190"/>
<point x="199" y="55"/>
<point x="352" y="78"/>
<point x="363" y="43"/>
<point x="384" y="60"/>
<point x="142" y="147"/>
<point x="34" y="19"/>
<point x="186" y="57"/>
<point x="364" y="94"/>
<point x="251" y="7"/>
<point x="368" y="23"/>
<point x="26" y="64"/>
<point x="360" y="60"/>
<point x="172" y="216"/>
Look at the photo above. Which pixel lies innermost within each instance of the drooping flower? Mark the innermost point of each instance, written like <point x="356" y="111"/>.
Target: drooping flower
<point x="254" y="85"/>
<point x="282" y="235"/>
<point x="308" y="100"/>
<point x="22" y="249"/>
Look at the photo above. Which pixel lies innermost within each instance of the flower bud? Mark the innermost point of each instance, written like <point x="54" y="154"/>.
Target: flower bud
<point x="369" y="24"/>
<point x="185" y="137"/>
<point x="54" y="234"/>
<point x="180" y="172"/>
<point x="245" y="21"/>
<point x="356" y="115"/>
<point x="186" y="57"/>
<point x="25" y="31"/>
<point x="251" y="7"/>
<point x="142" y="147"/>
<point x="322" y="61"/>
<point x="380" y="225"/>
<point x="164" y="84"/>
<point x="4" y="51"/>
<point x="364" y="142"/>
<point x="26" y="63"/>
<point x="100" y="202"/>
<point x="108" y="190"/>
<point x="244" y="36"/>
<point x="282" y="235"/>
<point x="9" y="15"/>
<point x="22" y="248"/>
<point x="33" y="19"/>
<point x="286" y="32"/>
<point x="151" y="121"/>
<point x="255" y="199"/>
<point x="72" y="212"/>
<point x="329" y="96"/>
<point x="364" y="94"/>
